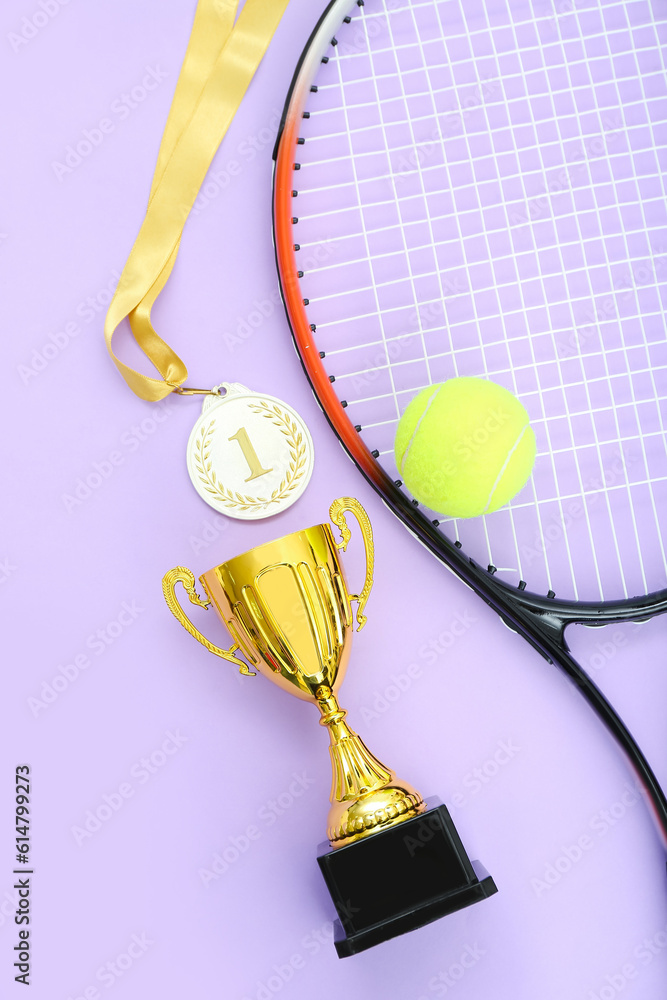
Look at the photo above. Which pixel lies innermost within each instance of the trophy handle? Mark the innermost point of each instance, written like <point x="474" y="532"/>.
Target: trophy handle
<point x="337" y="515"/>
<point x="180" y="574"/>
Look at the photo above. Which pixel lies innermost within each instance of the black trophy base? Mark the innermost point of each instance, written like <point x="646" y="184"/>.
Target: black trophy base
<point x="400" y="879"/>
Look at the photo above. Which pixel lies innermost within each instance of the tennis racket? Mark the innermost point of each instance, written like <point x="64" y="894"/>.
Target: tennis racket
<point x="476" y="188"/>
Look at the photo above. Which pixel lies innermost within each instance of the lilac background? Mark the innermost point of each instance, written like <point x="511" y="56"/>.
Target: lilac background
<point x="67" y="572"/>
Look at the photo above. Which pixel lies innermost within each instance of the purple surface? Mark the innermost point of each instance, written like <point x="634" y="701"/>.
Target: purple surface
<point x="589" y="925"/>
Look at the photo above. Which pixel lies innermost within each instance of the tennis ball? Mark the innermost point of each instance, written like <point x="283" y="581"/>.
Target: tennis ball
<point x="464" y="447"/>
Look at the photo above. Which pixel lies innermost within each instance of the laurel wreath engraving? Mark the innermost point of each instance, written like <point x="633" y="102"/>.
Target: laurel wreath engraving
<point x="291" y="479"/>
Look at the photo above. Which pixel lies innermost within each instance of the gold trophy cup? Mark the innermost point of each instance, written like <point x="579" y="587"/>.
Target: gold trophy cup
<point x="394" y="865"/>
<point x="288" y="608"/>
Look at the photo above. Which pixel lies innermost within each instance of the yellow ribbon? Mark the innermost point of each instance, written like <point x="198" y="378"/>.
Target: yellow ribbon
<point x="221" y="60"/>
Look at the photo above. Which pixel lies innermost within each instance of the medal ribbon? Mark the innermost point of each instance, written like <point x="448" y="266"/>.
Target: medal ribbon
<point x="221" y="60"/>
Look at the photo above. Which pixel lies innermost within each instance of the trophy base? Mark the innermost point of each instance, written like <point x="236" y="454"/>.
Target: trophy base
<point x="400" y="879"/>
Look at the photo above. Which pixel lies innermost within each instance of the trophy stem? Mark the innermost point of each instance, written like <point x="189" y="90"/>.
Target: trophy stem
<point x="366" y="795"/>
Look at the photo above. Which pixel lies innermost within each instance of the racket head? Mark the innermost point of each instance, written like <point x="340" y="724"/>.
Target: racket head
<point x="363" y="380"/>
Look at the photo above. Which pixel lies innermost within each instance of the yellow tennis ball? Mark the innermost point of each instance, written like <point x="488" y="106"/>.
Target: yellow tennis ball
<point x="464" y="447"/>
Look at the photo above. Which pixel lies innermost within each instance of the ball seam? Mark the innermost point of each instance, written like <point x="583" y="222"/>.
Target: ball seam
<point x="504" y="466"/>
<point x="405" y="454"/>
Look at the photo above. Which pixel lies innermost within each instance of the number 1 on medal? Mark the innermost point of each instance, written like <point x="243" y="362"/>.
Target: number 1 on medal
<point x="283" y="460"/>
<point x="249" y="454"/>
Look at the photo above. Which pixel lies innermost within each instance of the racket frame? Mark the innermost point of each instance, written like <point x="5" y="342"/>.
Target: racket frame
<point x="541" y="620"/>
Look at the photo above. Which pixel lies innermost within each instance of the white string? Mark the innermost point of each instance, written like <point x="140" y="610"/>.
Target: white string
<point x="562" y="384"/>
<point x="642" y="436"/>
<point x="490" y="556"/>
<point x="408" y="261"/>
<point x="597" y="443"/>
<point x="341" y="332"/>
<point x="536" y="420"/>
<point x="359" y="202"/>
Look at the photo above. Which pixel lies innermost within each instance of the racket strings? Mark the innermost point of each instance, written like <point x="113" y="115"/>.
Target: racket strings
<point x="457" y="372"/>
<point x="364" y="234"/>
<point x="547" y="436"/>
<point x="559" y="298"/>
<point x="643" y="209"/>
<point x="559" y="500"/>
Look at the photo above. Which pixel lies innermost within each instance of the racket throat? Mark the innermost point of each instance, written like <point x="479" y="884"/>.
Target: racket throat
<point x="536" y="620"/>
